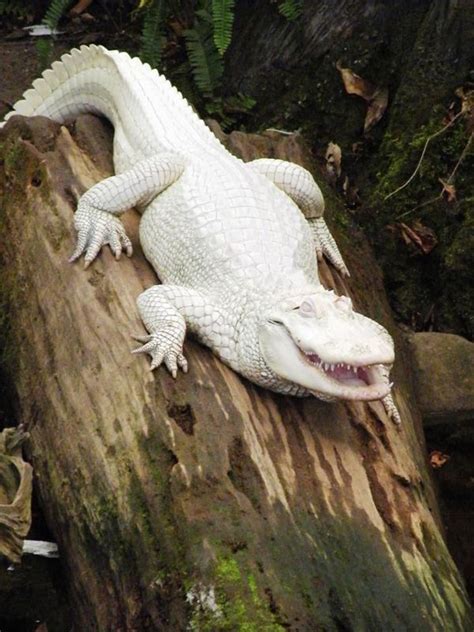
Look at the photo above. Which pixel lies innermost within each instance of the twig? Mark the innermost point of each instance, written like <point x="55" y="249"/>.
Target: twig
<point x="430" y="138"/>
<point x="418" y="206"/>
<point x="448" y="181"/>
<point x="461" y="158"/>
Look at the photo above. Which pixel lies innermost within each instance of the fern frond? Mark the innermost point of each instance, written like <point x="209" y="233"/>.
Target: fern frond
<point x="152" y="36"/>
<point x="223" y="19"/>
<point x="206" y="63"/>
<point x="55" y="12"/>
<point x="15" y="8"/>
<point x="44" y="48"/>
<point x="291" y="9"/>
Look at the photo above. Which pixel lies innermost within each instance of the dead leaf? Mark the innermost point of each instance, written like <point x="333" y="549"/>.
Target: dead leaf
<point x="333" y="160"/>
<point x="449" y="189"/>
<point x="15" y="494"/>
<point x="438" y="459"/>
<point x="377" y="107"/>
<point x="376" y="97"/>
<point x="418" y="235"/>
<point x="80" y="7"/>
<point x="355" y="84"/>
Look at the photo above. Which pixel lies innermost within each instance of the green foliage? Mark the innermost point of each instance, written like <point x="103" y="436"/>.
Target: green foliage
<point x="435" y="289"/>
<point x="222" y="18"/>
<point x="227" y="110"/>
<point x="15" y="8"/>
<point x="56" y="10"/>
<point x="152" y="32"/>
<point x="206" y="39"/>
<point x="44" y="48"/>
<point x="206" y="64"/>
<point x="291" y="9"/>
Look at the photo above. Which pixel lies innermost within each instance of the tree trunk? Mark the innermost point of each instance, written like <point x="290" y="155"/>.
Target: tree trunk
<point x="203" y="503"/>
<point x="421" y="52"/>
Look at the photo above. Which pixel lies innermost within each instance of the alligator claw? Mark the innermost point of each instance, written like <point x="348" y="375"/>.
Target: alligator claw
<point x="163" y="346"/>
<point x="97" y="228"/>
<point x="325" y="245"/>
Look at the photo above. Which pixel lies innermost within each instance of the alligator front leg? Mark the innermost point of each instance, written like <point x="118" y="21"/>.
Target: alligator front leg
<point x="96" y="218"/>
<point x="165" y="311"/>
<point x="300" y="186"/>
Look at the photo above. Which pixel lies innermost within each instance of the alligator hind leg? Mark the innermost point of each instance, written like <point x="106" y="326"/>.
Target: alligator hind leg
<point x="165" y="311"/>
<point x="300" y="186"/>
<point x="96" y="218"/>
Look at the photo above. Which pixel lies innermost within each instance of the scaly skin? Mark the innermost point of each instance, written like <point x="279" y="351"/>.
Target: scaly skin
<point x="228" y="240"/>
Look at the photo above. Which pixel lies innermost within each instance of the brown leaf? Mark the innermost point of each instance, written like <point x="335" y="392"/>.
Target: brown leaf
<point x="449" y="190"/>
<point x="376" y="97"/>
<point x="80" y="7"/>
<point x="333" y="160"/>
<point x="377" y="107"/>
<point x="438" y="459"/>
<point x="418" y="235"/>
<point x="355" y="84"/>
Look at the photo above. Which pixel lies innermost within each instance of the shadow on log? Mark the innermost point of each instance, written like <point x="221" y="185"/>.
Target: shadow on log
<point x="203" y="503"/>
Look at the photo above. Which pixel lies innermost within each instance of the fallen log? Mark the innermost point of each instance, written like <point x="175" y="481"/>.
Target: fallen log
<point x="203" y="503"/>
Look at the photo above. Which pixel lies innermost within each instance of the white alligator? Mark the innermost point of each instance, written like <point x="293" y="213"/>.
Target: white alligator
<point x="236" y="256"/>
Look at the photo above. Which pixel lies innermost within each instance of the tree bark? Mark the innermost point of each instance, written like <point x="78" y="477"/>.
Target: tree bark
<point x="203" y="503"/>
<point x="421" y="52"/>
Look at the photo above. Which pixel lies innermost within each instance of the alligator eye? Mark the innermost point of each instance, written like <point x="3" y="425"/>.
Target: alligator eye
<point x="309" y="309"/>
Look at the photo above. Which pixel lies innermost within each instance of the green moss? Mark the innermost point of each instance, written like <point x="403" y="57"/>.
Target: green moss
<point x="232" y="602"/>
<point x="227" y="570"/>
<point x="434" y="286"/>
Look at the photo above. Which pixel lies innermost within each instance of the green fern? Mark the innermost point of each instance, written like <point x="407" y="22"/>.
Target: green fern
<point x="55" y="12"/>
<point x="44" y="49"/>
<point x="153" y="39"/>
<point x="223" y="19"/>
<point x="15" y="8"/>
<point x="291" y="9"/>
<point x="206" y="64"/>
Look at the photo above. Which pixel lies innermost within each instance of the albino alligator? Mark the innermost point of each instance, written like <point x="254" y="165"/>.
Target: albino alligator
<point x="235" y="254"/>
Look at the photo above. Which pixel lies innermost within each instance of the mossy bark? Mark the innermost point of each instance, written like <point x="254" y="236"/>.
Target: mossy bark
<point x="203" y="503"/>
<point x="422" y="52"/>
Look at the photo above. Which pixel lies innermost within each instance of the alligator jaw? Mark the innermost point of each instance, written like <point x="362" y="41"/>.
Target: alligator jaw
<point x="364" y="383"/>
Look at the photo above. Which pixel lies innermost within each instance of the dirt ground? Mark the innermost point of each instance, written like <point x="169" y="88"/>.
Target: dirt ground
<point x="18" y="68"/>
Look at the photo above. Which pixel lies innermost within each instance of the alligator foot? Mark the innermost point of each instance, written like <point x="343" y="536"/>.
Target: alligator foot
<point x="325" y="245"/>
<point x="163" y="345"/>
<point x="95" y="229"/>
<point x="391" y="409"/>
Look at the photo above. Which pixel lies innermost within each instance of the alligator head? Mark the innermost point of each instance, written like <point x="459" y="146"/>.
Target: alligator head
<point x="318" y="342"/>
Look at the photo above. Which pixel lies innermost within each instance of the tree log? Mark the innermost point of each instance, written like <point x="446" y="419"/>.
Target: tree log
<point x="203" y="503"/>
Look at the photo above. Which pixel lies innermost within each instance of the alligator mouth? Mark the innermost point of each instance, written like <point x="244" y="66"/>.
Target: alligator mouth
<point x="347" y="374"/>
<point x="333" y="380"/>
<point x="365" y="383"/>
